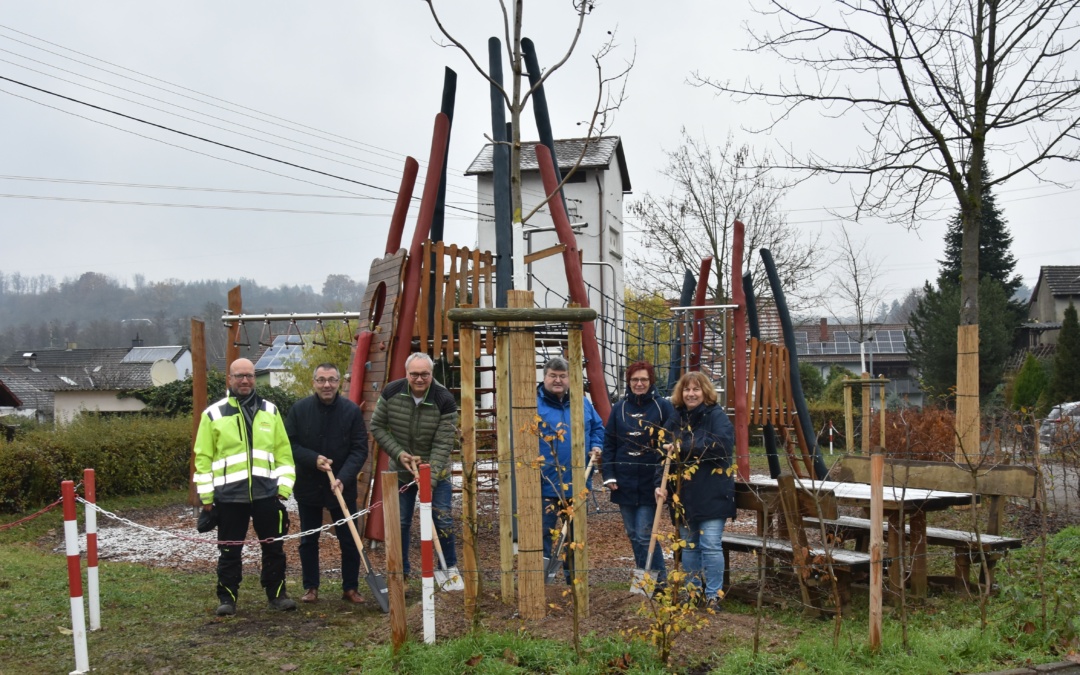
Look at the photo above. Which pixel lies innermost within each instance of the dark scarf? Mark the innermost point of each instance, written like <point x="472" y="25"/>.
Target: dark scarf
<point x="248" y="407"/>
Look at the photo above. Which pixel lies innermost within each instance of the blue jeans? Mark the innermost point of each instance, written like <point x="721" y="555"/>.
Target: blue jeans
<point x="311" y="516"/>
<point x="704" y="555"/>
<point x="440" y="513"/>
<point x="638" y="523"/>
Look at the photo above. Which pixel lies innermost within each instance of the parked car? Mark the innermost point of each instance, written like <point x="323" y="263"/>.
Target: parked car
<point x="1060" y="428"/>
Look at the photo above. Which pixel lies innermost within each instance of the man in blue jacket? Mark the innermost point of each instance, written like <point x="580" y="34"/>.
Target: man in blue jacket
<point x="553" y="407"/>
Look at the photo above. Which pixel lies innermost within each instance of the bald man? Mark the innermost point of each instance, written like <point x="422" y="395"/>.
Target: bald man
<point x="244" y="470"/>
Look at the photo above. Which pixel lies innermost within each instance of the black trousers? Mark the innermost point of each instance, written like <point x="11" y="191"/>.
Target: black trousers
<point x="267" y="515"/>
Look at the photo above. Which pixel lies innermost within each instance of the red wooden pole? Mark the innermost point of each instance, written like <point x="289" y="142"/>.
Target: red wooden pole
<point x="594" y="366"/>
<point x="410" y="294"/>
<point x="738" y="296"/>
<point x="699" y="315"/>
<point x="401" y="207"/>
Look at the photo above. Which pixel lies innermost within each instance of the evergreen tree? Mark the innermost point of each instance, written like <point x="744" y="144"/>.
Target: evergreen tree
<point x="931" y="338"/>
<point x="995" y="259"/>
<point x="1029" y="384"/>
<point x="1065" y="381"/>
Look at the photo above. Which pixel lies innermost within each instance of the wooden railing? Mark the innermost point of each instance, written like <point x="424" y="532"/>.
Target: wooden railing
<point x="769" y="385"/>
<point x="462" y="277"/>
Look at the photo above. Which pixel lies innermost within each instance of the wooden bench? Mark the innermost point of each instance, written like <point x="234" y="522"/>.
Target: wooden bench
<point x="966" y="545"/>
<point x="995" y="480"/>
<point x="818" y="559"/>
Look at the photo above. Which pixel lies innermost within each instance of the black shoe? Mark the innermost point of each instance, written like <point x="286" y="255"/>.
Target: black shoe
<point x="283" y="603"/>
<point x="715" y="605"/>
<point x="226" y="609"/>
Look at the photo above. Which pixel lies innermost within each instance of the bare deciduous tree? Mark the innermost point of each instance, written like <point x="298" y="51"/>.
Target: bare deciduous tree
<point x="714" y="186"/>
<point x="938" y="86"/>
<point x="610" y="89"/>
<point x="855" y="290"/>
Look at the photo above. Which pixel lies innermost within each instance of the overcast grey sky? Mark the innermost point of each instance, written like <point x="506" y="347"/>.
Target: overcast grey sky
<point x="350" y="88"/>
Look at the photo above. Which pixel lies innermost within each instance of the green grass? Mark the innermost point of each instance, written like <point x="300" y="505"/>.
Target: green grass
<point x="157" y="619"/>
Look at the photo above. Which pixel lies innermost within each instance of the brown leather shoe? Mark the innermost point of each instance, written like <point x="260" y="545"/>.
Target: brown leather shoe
<point x="352" y="596"/>
<point x="310" y="595"/>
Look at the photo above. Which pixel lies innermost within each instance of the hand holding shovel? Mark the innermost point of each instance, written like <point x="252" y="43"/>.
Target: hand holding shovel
<point x="374" y="581"/>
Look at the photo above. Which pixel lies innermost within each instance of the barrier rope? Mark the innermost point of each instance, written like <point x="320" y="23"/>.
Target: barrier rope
<point x="200" y="540"/>
<point x="50" y="507"/>
<point x="43" y="511"/>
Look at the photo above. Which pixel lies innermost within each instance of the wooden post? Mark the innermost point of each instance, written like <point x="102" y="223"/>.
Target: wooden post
<point x="232" y="350"/>
<point x="866" y="419"/>
<point x="917" y="549"/>
<point x="470" y="547"/>
<point x="198" y="395"/>
<point x="395" y="569"/>
<point x="877" y="473"/>
<point x="505" y="454"/>
<point x="896" y="552"/>
<point x="881" y="390"/>
<point x="531" y="603"/>
<point x="967" y="394"/>
<point x="577" y="462"/>
<point x="849" y="421"/>
<point x="996" y="507"/>
<point x="789" y="502"/>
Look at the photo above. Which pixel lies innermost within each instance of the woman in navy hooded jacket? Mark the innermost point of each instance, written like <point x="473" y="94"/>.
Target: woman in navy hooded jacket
<point x="553" y="407"/>
<point x="702" y="476"/>
<point x="632" y="439"/>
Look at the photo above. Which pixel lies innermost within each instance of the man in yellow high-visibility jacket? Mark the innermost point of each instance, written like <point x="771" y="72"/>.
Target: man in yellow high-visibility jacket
<point x="244" y="470"/>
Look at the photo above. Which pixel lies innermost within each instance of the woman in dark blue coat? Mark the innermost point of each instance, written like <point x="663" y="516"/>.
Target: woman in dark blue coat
<point x="632" y="439"/>
<point x="703" y="476"/>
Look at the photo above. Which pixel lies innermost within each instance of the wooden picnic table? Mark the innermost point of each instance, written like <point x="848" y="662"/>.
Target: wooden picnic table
<point x="897" y="503"/>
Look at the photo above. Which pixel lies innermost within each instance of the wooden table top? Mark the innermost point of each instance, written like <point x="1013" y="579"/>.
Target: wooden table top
<point x="858" y="494"/>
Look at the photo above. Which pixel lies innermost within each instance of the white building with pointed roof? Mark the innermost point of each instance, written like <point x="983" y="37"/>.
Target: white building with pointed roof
<point x="594" y="200"/>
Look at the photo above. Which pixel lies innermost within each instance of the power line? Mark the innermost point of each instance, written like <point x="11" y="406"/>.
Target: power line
<point x="75" y="181"/>
<point x="207" y="140"/>
<point x="360" y="145"/>
<point x="87" y="200"/>
<point x="197" y="121"/>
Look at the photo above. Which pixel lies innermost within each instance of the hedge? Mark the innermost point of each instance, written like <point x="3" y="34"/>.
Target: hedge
<point x="129" y="455"/>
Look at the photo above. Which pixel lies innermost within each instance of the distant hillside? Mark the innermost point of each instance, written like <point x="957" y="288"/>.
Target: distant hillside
<point x="95" y="310"/>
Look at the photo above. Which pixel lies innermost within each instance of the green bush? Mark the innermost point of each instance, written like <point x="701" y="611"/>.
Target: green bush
<point x="813" y="384"/>
<point x="129" y="455"/>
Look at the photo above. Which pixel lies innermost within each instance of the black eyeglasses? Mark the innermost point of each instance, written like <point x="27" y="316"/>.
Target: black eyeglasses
<point x="327" y="380"/>
<point x="243" y="376"/>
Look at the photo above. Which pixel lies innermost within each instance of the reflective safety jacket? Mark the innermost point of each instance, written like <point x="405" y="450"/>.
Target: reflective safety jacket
<point x="232" y="465"/>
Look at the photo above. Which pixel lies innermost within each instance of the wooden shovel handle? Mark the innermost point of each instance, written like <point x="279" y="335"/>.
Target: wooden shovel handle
<point x="349" y="522"/>
<point x="656" y="518"/>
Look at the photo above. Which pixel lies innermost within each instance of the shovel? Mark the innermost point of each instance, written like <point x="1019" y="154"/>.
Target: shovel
<point x="374" y="581"/>
<point x="655" y="528"/>
<point x="448" y="578"/>
<point x="552" y="564"/>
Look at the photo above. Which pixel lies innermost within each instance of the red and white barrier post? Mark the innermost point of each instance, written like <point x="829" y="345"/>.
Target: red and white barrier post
<point x="427" y="555"/>
<point x="71" y="544"/>
<point x="831" y="430"/>
<point x="92" y="595"/>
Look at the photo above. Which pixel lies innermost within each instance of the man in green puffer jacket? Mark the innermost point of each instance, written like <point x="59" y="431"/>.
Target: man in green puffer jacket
<point x="415" y="422"/>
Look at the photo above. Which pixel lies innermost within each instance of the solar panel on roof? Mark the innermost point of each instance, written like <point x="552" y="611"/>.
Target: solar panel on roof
<point x="283" y="350"/>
